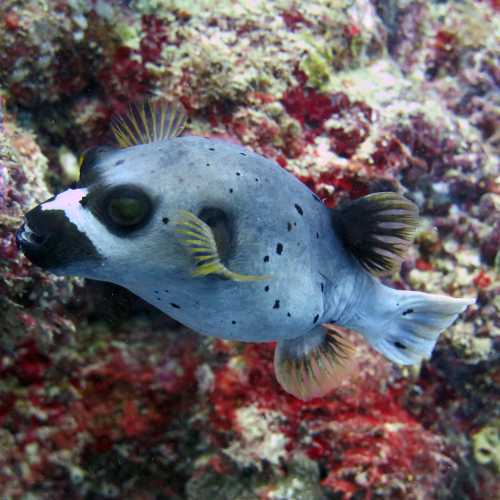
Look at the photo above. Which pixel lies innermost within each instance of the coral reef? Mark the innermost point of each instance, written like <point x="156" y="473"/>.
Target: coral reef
<point x="101" y="396"/>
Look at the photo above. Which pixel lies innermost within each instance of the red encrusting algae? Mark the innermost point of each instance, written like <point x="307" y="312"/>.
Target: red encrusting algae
<point x="361" y="429"/>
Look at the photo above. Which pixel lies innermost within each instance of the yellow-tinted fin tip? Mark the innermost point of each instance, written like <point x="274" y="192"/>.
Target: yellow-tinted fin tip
<point x="148" y="121"/>
<point x="198" y="239"/>
<point x="311" y="366"/>
<point x="377" y="229"/>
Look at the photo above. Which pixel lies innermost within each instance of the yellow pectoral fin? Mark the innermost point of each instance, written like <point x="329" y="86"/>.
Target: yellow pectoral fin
<point x="198" y="239"/>
<point x="210" y="268"/>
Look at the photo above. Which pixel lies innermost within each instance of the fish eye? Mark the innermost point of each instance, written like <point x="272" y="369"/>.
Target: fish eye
<point x="127" y="207"/>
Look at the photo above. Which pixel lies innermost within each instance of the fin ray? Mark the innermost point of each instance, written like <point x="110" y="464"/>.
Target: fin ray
<point x="313" y="365"/>
<point x="144" y="123"/>
<point x="198" y="239"/>
<point x="377" y="229"/>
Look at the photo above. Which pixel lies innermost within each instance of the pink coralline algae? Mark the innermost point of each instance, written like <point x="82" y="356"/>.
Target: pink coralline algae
<point x="101" y="396"/>
<point x="360" y="431"/>
<point x="126" y="77"/>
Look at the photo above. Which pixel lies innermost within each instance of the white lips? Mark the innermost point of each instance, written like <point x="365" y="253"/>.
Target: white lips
<point x="27" y="234"/>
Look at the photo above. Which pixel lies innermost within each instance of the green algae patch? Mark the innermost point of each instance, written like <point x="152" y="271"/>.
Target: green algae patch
<point x="318" y="63"/>
<point x="129" y="35"/>
<point x="486" y="445"/>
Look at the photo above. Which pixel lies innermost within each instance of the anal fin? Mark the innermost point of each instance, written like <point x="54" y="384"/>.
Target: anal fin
<point x="377" y="229"/>
<point x="312" y="365"/>
<point x="198" y="239"/>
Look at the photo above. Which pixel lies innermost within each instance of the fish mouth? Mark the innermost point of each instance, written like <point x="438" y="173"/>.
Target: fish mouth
<point x="50" y="241"/>
<point x="26" y="237"/>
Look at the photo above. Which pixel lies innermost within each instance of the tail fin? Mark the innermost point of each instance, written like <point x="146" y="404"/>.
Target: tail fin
<point x="405" y="325"/>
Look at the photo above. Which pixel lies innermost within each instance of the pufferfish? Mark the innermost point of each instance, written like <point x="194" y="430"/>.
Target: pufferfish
<point x="233" y="246"/>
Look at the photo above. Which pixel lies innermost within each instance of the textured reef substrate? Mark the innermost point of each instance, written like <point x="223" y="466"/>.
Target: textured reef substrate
<point x="103" y="397"/>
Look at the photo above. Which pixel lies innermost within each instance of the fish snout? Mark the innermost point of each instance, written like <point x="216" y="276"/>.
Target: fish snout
<point x="50" y="240"/>
<point x="37" y="236"/>
<point x="26" y="237"/>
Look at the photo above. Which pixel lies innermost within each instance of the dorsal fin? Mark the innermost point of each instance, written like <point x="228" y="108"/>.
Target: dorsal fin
<point x="198" y="239"/>
<point x="377" y="229"/>
<point x="148" y="121"/>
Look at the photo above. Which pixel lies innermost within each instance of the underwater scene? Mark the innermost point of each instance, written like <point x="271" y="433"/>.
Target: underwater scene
<point x="249" y="250"/>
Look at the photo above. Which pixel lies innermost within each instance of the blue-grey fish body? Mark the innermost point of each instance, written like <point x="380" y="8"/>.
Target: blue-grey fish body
<point x="279" y="229"/>
<point x="233" y="246"/>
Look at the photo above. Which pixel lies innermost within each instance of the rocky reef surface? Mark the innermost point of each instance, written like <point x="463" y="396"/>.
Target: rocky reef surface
<point x="101" y="396"/>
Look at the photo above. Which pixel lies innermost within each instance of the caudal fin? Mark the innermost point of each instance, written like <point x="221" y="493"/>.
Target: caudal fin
<point x="406" y="325"/>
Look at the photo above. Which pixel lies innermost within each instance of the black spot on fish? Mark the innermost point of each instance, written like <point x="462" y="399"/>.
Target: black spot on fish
<point x="156" y="291"/>
<point x="322" y="287"/>
<point x="175" y="305"/>
<point x="266" y="258"/>
<point x="119" y="162"/>
<point x="243" y="154"/>
<point x="231" y="190"/>
<point x="256" y="180"/>
<point x="317" y="236"/>
<point x="207" y="164"/>
<point x="279" y="248"/>
<point x="289" y="315"/>
<point x="399" y="345"/>
<point x="266" y="288"/>
<point x="289" y="226"/>
<point x="165" y="220"/>
<point x="233" y="322"/>
<point x="316" y="318"/>
<point x="238" y="174"/>
<point x="166" y="291"/>
<point x="276" y="304"/>
<point x="211" y="149"/>
<point x="299" y="209"/>
<point x="408" y="311"/>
